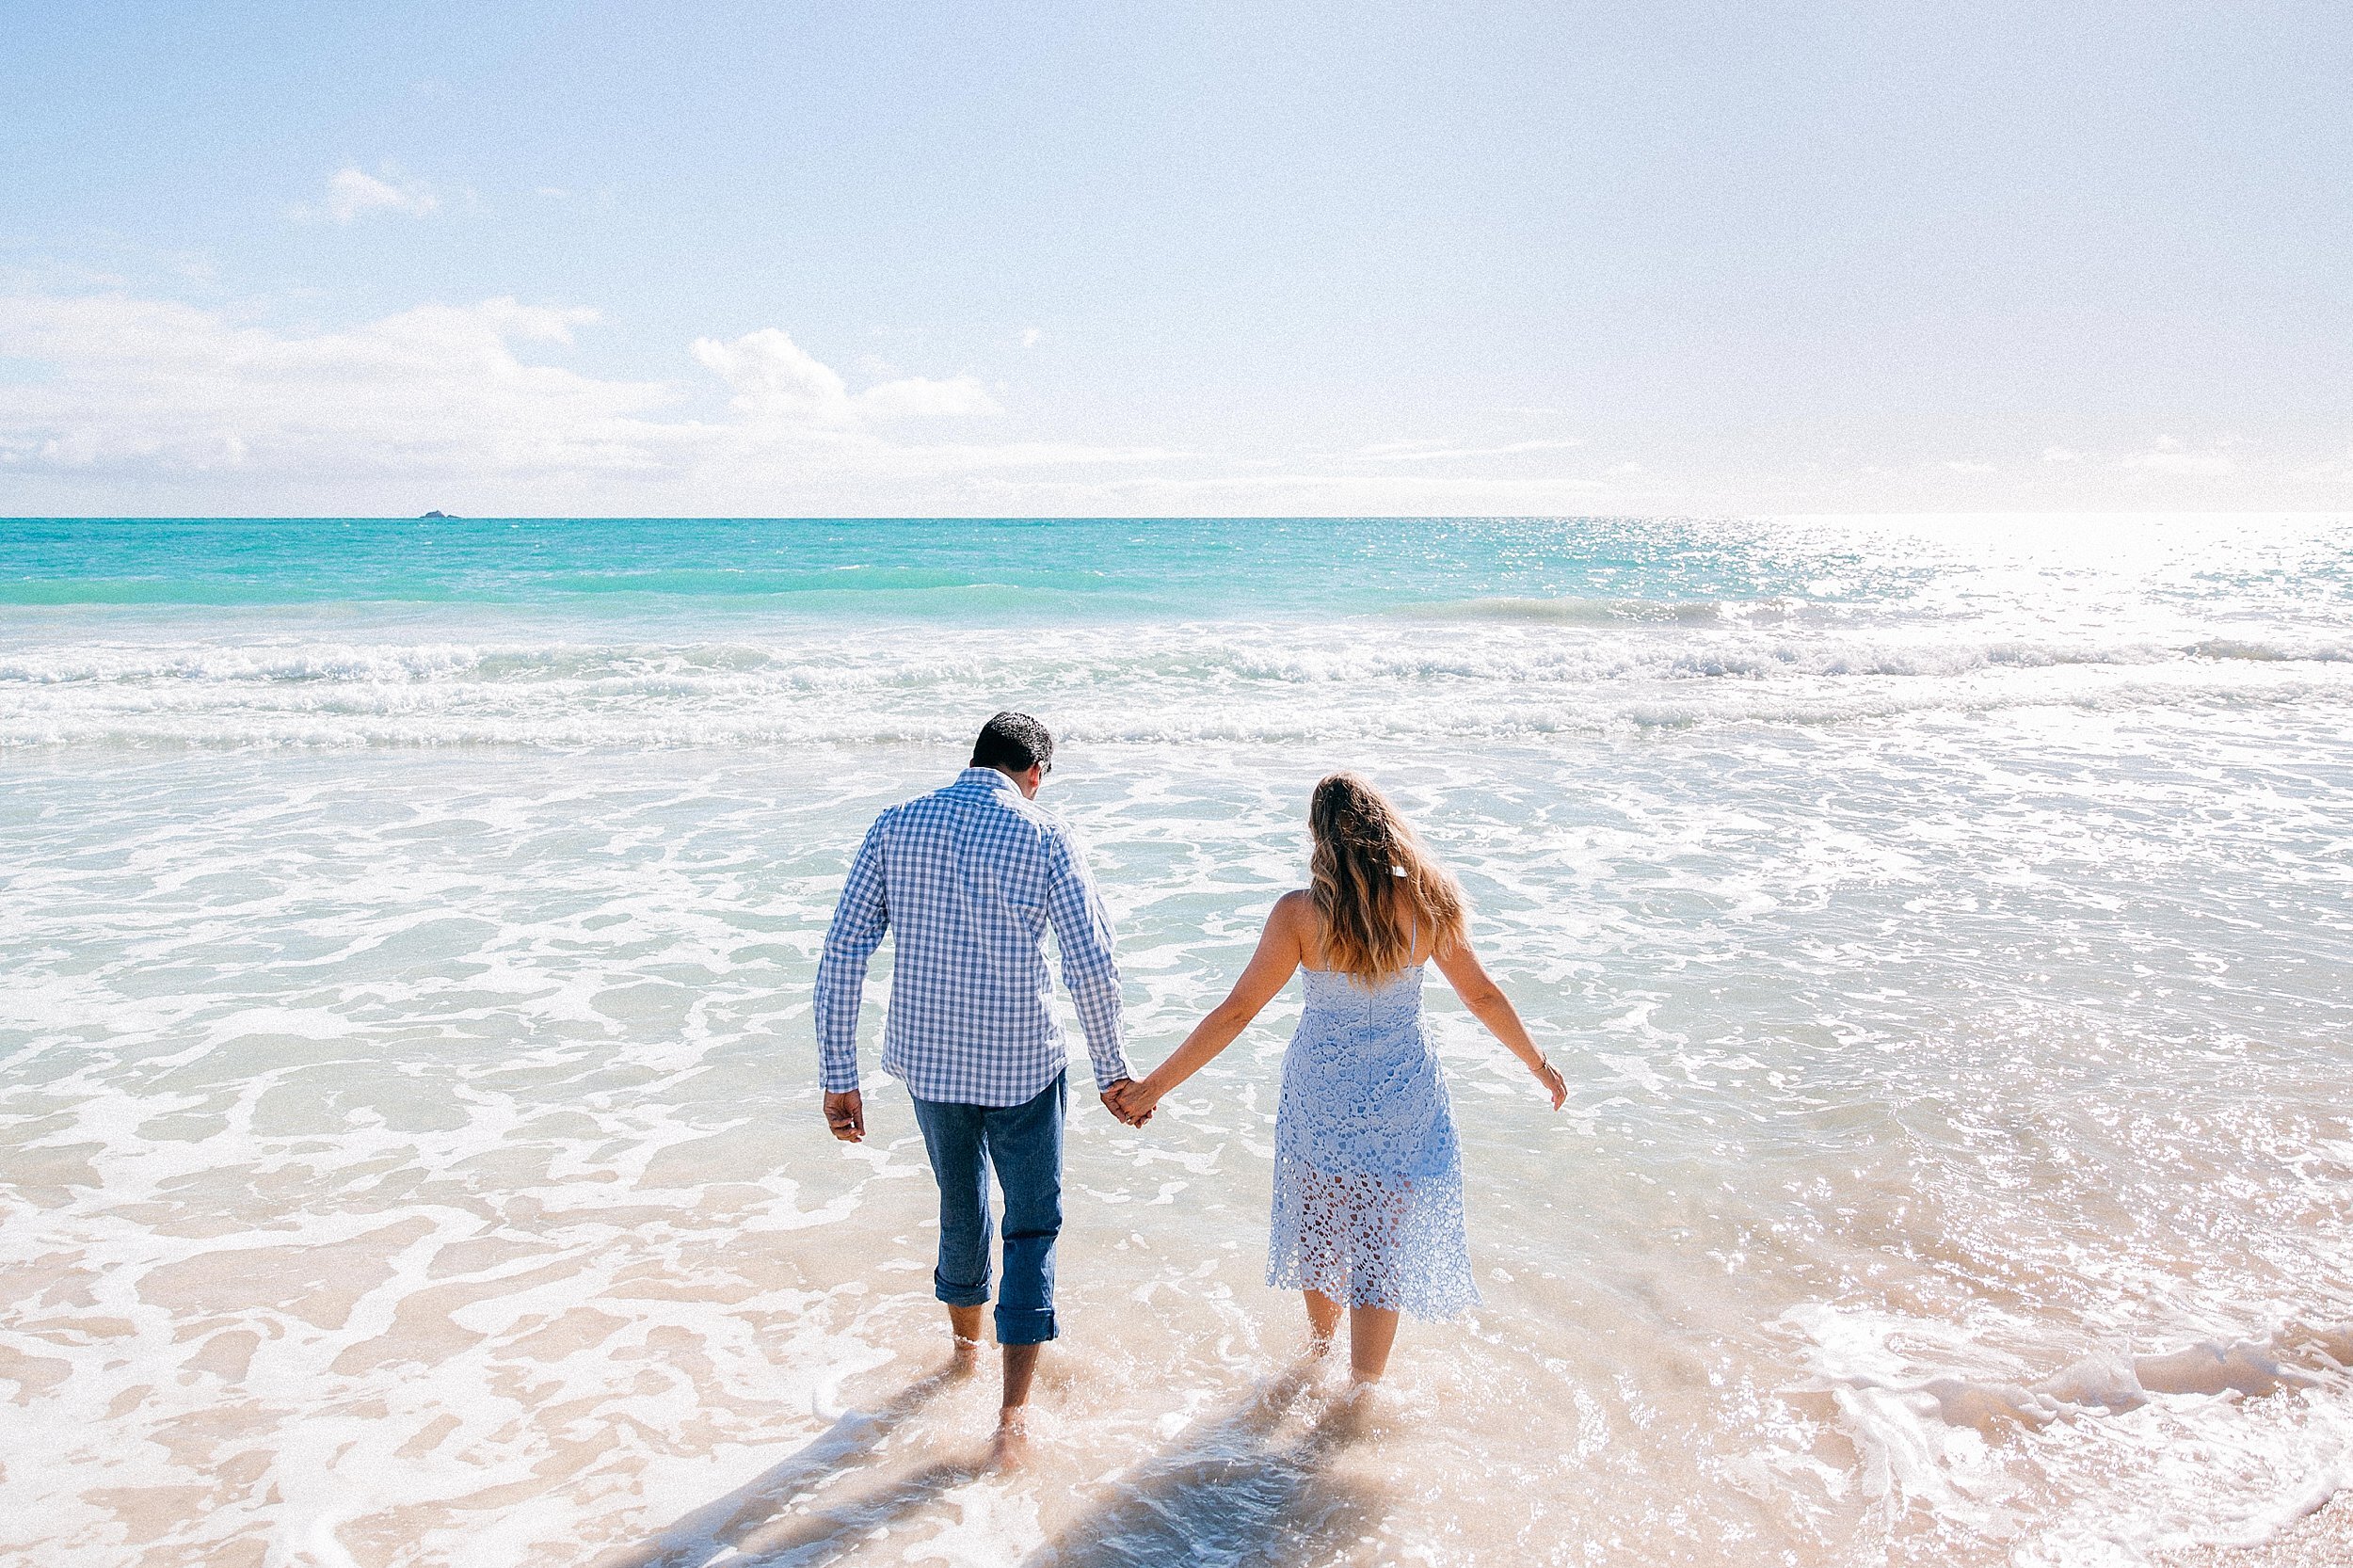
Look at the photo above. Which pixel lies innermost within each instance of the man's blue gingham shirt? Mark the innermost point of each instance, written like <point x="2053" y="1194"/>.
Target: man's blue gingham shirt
<point x="969" y="877"/>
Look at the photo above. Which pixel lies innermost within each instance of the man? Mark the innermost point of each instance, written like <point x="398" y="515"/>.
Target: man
<point x="971" y="877"/>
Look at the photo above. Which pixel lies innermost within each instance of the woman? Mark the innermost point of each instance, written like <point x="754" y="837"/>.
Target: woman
<point x="1367" y="1179"/>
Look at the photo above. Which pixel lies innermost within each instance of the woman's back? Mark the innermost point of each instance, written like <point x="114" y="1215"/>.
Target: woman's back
<point x="1332" y="995"/>
<point x="1368" y="1176"/>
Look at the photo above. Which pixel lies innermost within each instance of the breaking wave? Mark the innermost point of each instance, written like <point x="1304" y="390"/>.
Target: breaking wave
<point x="1135" y="683"/>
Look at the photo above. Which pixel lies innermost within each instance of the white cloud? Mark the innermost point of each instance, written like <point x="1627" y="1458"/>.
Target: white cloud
<point x="144" y="396"/>
<point x="776" y="380"/>
<point x="2169" y="456"/>
<point x="915" y="397"/>
<point x="113" y="402"/>
<point x="1162" y="494"/>
<point x="353" y="193"/>
<point x="445" y="406"/>
<point x="2206" y="463"/>
<point x="159" y="386"/>
<point x="1032" y="337"/>
<point x="1403" y="452"/>
<point x="2060" y="454"/>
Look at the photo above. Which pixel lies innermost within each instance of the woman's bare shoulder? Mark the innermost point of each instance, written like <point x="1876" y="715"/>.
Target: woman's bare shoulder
<point x="1294" y="917"/>
<point x="1294" y="911"/>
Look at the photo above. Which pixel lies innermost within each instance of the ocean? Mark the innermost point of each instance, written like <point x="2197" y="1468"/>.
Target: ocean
<point x="407" y="1101"/>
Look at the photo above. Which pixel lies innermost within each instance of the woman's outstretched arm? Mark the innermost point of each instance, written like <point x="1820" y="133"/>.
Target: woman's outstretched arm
<point x="1490" y="1006"/>
<point x="1267" y="972"/>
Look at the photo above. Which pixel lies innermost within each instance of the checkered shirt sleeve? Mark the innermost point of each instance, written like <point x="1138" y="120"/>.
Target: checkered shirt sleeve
<point x="1083" y="933"/>
<point x="860" y="921"/>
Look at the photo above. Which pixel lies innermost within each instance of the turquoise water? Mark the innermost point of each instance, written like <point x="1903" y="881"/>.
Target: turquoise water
<point x="407" y="1092"/>
<point x="580" y="632"/>
<point x="1017" y="567"/>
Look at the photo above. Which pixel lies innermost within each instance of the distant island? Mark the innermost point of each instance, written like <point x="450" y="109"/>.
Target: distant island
<point x="430" y="515"/>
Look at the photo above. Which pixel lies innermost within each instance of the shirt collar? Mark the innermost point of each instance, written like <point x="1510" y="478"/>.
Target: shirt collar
<point x="987" y="778"/>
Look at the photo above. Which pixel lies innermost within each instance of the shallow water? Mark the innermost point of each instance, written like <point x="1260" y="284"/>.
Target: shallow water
<point x="408" y="1112"/>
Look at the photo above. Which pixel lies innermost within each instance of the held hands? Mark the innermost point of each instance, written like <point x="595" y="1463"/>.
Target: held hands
<point x="1136" y="1101"/>
<point x="845" y="1114"/>
<point x="1119" y="1099"/>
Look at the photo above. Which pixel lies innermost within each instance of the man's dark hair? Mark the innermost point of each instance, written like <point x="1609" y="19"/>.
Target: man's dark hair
<point x="1013" y="742"/>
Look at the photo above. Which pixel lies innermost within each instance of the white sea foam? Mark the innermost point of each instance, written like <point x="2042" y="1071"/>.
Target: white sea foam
<point x="1238" y="683"/>
<point x="1949" y="1436"/>
<point x="413" y="1156"/>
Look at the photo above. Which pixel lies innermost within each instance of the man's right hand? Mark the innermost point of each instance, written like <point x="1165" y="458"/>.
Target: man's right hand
<point x="846" y="1115"/>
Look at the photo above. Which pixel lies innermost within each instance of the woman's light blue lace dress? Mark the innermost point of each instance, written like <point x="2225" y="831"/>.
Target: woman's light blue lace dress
<point x="1368" y="1178"/>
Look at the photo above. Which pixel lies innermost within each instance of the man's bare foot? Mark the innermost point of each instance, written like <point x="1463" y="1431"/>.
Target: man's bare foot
<point x="964" y="1359"/>
<point x="1010" y="1449"/>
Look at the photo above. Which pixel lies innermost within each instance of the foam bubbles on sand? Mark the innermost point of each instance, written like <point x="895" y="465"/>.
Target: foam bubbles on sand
<point x="417" y="1159"/>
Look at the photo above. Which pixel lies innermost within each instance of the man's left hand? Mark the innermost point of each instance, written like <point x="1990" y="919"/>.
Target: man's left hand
<point x="846" y="1115"/>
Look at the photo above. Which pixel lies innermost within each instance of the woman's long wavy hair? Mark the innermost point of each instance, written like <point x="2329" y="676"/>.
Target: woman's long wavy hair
<point x="1374" y="886"/>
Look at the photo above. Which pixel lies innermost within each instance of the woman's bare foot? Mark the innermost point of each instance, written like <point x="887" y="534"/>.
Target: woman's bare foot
<point x="1349" y="1416"/>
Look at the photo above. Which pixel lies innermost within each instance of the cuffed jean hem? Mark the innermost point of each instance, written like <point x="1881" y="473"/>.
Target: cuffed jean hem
<point x="1025" y="1326"/>
<point x="959" y="1295"/>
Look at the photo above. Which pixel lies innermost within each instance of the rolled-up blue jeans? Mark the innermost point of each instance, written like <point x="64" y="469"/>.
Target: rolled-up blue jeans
<point x="1024" y="1144"/>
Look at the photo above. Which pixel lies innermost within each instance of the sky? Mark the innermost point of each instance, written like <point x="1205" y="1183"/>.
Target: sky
<point x="1175" y="259"/>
